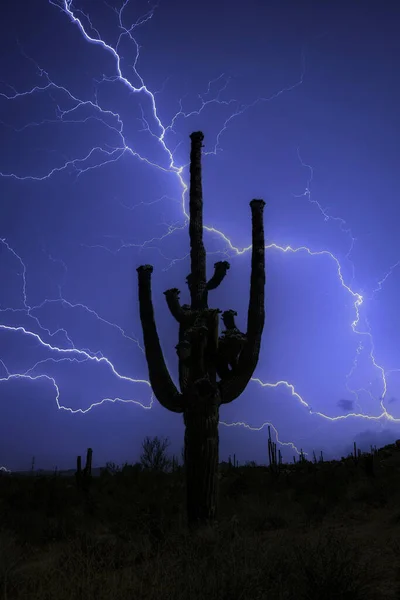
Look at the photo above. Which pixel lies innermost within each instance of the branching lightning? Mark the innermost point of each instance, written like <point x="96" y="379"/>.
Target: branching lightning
<point x="59" y="343"/>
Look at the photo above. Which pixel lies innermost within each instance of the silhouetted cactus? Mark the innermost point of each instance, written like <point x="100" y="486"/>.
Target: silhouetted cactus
<point x="275" y="465"/>
<point x="83" y="477"/>
<point x="235" y="463"/>
<point x="88" y="466"/>
<point x="203" y="355"/>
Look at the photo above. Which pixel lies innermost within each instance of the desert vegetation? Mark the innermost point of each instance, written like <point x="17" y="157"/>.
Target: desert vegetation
<point x="311" y="529"/>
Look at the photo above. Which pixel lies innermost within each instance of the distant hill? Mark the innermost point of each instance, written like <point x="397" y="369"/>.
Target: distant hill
<point x="47" y="472"/>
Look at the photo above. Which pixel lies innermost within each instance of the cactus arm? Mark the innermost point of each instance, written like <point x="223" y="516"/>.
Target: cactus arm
<point x="228" y="319"/>
<point x="160" y="379"/>
<point x="220" y="269"/>
<point x="228" y="347"/>
<point x="232" y="387"/>
<point x="231" y="345"/>
<point x="197" y="278"/>
<point x="256" y="310"/>
<point x="172" y="297"/>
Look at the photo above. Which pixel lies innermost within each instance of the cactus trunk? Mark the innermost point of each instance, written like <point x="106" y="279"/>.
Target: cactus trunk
<point x="88" y="467"/>
<point x="201" y="460"/>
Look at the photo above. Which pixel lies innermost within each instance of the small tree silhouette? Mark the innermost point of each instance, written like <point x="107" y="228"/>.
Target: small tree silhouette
<point x="153" y="456"/>
<point x="112" y="468"/>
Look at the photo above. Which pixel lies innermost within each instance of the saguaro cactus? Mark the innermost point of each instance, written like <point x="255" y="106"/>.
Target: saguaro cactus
<point x="83" y="477"/>
<point x="212" y="370"/>
<point x="88" y="466"/>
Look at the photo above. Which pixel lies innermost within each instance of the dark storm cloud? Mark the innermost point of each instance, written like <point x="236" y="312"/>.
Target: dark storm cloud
<point x="346" y="405"/>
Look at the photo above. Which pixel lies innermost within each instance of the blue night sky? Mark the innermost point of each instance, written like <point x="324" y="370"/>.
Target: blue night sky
<point x="298" y="101"/>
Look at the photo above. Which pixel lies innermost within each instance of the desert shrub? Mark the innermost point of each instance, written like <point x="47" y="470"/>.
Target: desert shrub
<point x="332" y="568"/>
<point x="371" y="493"/>
<point x="153" y="456"/>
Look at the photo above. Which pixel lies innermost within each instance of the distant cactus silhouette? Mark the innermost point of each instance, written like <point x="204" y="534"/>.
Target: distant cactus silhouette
<point x="203" y="356"/>
<point x="88" y="466"/>
<point x="83" y="477"/>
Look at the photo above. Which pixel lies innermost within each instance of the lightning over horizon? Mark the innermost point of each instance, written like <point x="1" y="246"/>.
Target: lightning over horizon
<point x="62" y="329"/>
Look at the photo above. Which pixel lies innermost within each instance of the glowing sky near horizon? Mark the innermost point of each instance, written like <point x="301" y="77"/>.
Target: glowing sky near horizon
<point x="299" y="105"/>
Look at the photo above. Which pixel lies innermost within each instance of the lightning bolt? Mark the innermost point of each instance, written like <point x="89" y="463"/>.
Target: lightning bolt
<point x="69" y="108"/>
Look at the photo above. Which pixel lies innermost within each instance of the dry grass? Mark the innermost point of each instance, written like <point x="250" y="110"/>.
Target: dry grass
<point x="313" y="565"/>
<point x="296" y="538"/>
